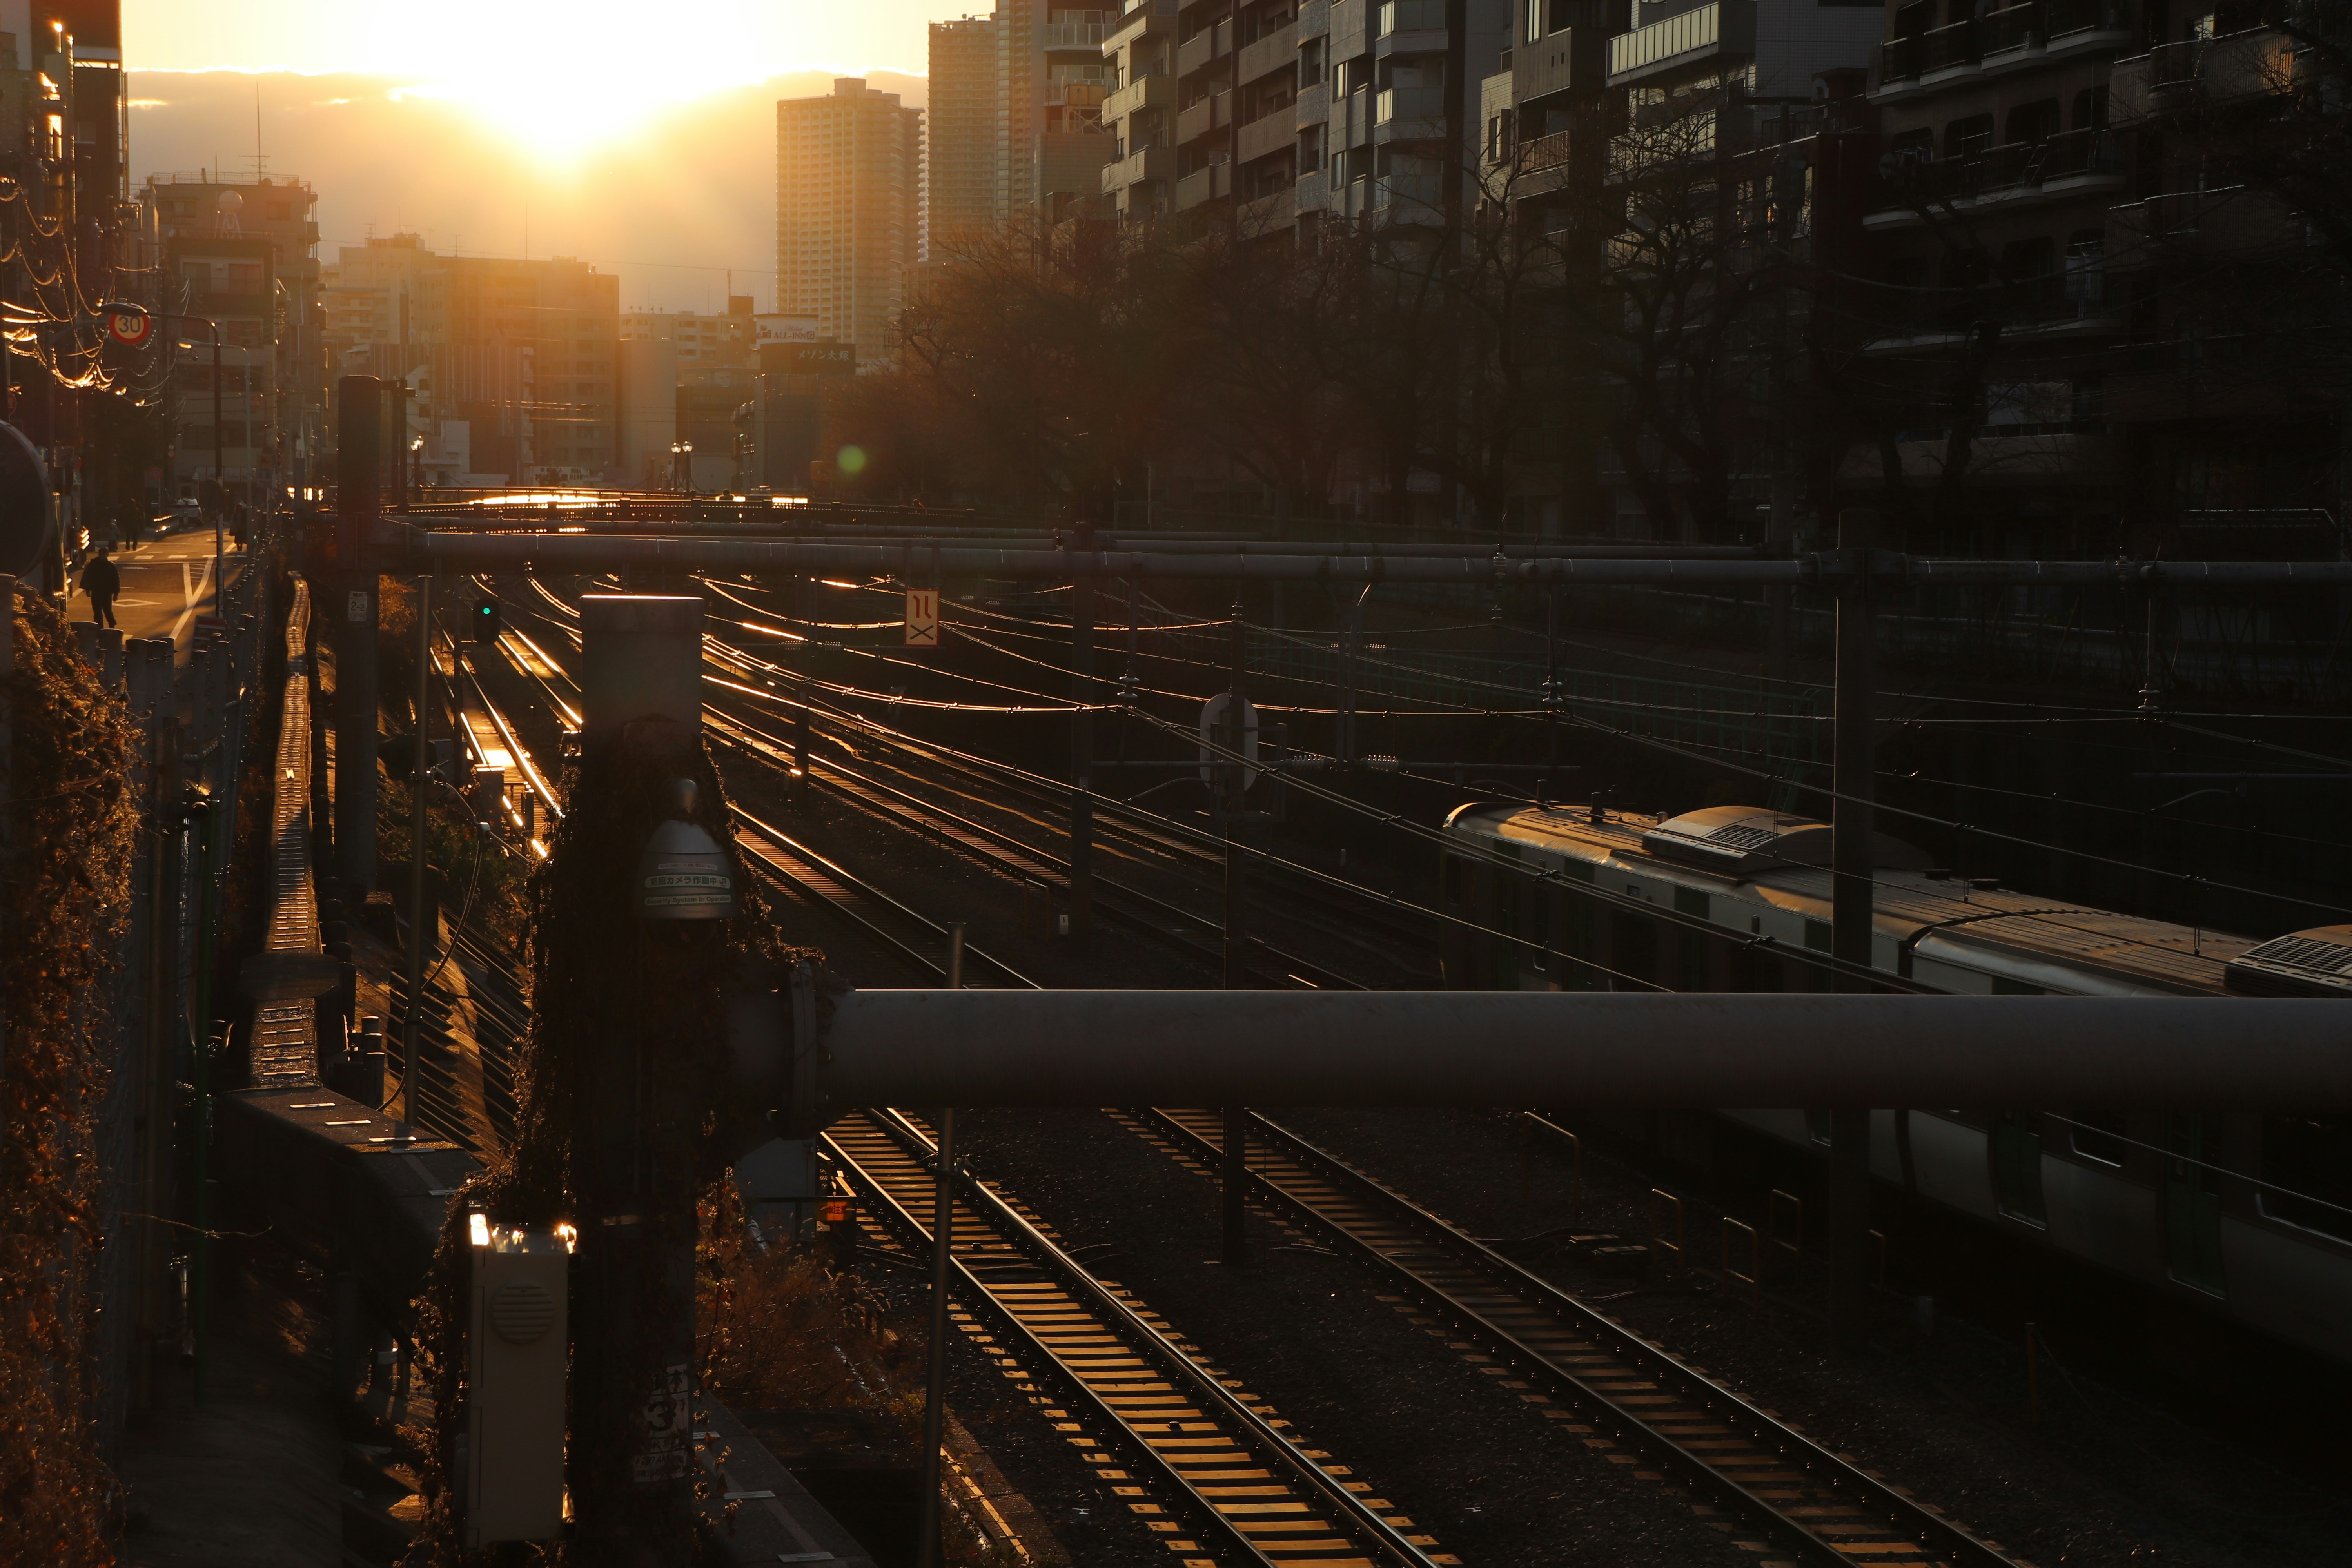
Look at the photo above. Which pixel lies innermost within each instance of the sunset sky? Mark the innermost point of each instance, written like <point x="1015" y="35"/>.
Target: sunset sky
<point x="638" y="137"/>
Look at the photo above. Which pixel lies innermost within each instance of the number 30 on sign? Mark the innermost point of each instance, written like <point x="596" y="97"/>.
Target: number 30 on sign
<point x="922" y="617"/>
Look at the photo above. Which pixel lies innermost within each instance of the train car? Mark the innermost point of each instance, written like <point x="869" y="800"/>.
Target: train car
<point x="2245" y="1216"/>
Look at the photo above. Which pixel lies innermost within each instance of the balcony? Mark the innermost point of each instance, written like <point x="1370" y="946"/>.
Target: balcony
<point x="1144" y="92"/>
<point x="1086" y="36"/>
<point x="1277" y="209"/>
<point x="1204" y="185"/>
<point x="2034" y="312"/>
<point x="1143" y="17"/>
<point x="2071" y="27"/>
<point x="1274" y="132"/>
<point x="2071" y="163"/>
<point x="1950" y="51"/>
<point x="1213" y="43"/>
<point x="1211" y="113"/>
<point x="2012" y="30"/>
<point x="1410" y="16"/>
<point x="1277" y="50"/>
<point x="1408" y="198"/>
<point x="1723" y="29"/>
<point x="2257" y="63"/>
<point x="1409" y="115"/>
<point x="1141" y="166"/>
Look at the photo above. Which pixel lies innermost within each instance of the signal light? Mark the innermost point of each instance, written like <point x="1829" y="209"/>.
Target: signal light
<point x="486" y="621"/>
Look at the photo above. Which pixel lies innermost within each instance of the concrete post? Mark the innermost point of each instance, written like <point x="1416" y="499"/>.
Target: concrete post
<point x="1082" y="752"/>
<point x="1847" y="1216"/>
<point x="632" y="1310"/>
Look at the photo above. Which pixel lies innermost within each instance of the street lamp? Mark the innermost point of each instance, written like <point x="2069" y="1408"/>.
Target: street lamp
<point x="682" y="465"/>
<point x="415" y="468"/>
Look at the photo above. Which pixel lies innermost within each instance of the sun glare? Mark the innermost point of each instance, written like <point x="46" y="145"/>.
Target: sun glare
<point x="564" y="82"/>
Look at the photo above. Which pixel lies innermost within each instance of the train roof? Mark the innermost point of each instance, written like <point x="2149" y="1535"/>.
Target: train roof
<point x="1915" y="903"/>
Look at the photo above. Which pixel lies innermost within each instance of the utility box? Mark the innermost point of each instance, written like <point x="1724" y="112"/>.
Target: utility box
<point x="518" y="1343"/>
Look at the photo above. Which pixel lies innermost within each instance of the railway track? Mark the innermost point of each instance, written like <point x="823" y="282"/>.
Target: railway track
<point x="1761" y="1477"/>
<point x="904" y="799"/>
<point x="1205" y="1463"/>
<point x="1771" y="1484"/>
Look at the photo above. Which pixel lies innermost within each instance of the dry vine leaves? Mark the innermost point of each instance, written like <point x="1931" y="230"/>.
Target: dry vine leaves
<point x="67" y="895"/>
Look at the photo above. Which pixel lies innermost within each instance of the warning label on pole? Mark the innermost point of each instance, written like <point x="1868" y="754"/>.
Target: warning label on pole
<point x="922" y="617"/>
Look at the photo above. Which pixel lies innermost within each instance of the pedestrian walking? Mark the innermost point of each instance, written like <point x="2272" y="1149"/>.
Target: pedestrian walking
<point x="102" y="581"/>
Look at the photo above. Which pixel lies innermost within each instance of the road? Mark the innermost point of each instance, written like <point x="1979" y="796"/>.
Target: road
<point x="166" y="584"/>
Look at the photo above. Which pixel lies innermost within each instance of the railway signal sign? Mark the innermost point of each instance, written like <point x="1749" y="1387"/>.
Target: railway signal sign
<point x="922" y="617"/>
<point x="1213" y="731"/>
<point x="485" y="621"/>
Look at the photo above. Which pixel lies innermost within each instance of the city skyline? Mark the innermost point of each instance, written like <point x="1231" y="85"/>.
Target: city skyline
<point x="695" y="186"/>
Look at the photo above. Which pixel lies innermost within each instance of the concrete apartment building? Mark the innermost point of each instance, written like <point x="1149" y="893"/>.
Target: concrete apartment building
<point x="960" y="189"/>
<point x="849" y="180"/>
<point x="243" y="253"/>
<point x="1051" y="79"/>
<point x="367" y="294"/>
<point x="1298" y="111"/>
<point x="703" y="341"/>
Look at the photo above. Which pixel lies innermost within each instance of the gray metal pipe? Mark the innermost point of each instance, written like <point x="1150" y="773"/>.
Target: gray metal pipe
<point x="1662" y="1052"/>
<point x="586" y="552"/>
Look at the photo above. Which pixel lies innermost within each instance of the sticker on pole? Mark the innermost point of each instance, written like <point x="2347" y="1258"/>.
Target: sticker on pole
<point x="1214" y="730"/>
<point x="922" y="617"/>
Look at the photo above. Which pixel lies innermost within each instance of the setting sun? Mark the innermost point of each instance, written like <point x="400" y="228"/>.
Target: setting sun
<point x="560" y="80"/>
<point x="566" y="85"/>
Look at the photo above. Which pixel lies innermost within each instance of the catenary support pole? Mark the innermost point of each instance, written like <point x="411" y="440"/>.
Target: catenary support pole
<point x="1082" y="751"/>
<point x="353" y="604"/>
<point x="800" y="754"/>
<point x="420" y="939"/>
<point x="1234" y="1186"/>
<point x="1551" y="688"/>
<point x="928" y="1545"/>
<point x="1846" y="1219"/>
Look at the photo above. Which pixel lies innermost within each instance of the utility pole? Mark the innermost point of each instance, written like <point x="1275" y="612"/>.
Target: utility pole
<point x="360" y="474"/>
<point x="1082" y="747"/>
<point x="1852" y="890"/>
<point x="1235" y="1176"/>
<point x="419" y="803"/>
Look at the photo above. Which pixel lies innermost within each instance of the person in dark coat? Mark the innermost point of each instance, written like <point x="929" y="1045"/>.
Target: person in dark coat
<point x="102" y="581"/>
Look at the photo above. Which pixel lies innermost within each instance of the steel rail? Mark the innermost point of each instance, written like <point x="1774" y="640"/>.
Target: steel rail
<point x="862" y="790"/>
<point x="1148" y="828"/>
<point x="1311" y="1481"/>
<point x="1903" y="1516"/>
<point x="867" y="889"/>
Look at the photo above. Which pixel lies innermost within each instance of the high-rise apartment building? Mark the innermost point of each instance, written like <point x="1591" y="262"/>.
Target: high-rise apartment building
<point x="961" y="192"/>
<point x="849" y="180"/>
<point x="1051" y="79"/>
